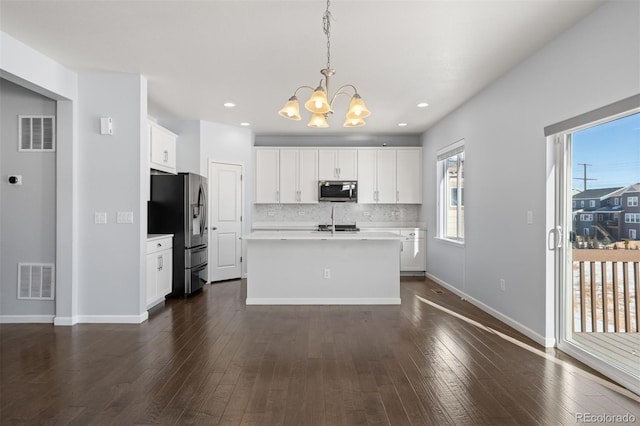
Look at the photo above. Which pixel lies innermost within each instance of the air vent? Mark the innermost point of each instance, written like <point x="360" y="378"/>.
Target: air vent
<point x="37" y="133"/>
<point x="36" y="281"/>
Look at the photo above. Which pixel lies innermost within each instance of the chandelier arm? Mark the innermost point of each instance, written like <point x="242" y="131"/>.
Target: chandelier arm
<point x="303" y="87"/>
<point x="341" y="92"/>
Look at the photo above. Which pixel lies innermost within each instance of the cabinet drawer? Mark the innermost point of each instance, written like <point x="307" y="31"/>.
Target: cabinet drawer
<point x="159" y="245"/>
<point x="412" y="233"/>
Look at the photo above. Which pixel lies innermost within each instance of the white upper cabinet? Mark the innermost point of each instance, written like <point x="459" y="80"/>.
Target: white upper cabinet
<point x="409" y="176"/>
<point x="287" y="176"/>
<point x="390" y="176"/>
<point x="298" y="176"/>
<point x="267" y="176"/>
<point x="338" y="164"/>
<point x="377" y="176"/>
<point x="367" y="179"/>
<point x="385" y="176"/>
<point x="162" y="148"/>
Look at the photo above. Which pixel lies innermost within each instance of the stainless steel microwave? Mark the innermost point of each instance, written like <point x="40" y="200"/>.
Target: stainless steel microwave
<point x="334" y="190"/>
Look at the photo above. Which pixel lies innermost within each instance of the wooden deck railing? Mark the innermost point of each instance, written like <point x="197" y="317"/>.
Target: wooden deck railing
<point x="605" y="290"/>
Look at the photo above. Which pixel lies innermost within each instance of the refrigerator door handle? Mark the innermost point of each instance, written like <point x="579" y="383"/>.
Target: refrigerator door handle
<point x="202" y="206"/>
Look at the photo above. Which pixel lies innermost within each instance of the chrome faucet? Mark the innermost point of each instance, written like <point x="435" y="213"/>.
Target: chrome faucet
<point x="333" y="220"/>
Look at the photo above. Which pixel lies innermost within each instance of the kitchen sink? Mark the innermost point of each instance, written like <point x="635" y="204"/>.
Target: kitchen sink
<point x="339" y="228"/>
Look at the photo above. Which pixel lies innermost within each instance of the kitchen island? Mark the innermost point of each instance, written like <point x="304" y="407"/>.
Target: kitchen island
<point x="323" y="268"/>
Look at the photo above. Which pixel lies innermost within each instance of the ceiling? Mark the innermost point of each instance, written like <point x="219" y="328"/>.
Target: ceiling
<point x="197" y="55"/>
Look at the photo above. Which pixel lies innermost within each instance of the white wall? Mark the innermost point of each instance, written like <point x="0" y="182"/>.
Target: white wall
<point x="27" y="212"/>
<point x="591" y="65"/>
<point x="112" y="256"/>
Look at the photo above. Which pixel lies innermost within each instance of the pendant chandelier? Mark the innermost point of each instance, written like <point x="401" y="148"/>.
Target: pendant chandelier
<point x="319" y="104"/>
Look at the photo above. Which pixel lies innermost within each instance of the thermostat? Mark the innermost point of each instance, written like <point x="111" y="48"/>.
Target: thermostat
<point x="15" y="179"/>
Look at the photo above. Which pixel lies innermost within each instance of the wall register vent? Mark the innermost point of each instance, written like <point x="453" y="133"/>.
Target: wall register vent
<point x="36" y="281"/>
<point x="36" y="133"/>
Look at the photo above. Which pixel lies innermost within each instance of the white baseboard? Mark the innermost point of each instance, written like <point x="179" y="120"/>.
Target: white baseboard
<point x="113" y="319"/>
<point x="65" y="321"/>
<point x="26" y="319"/>
<point x="323" y="301"/>
<point x="538" y="338"/>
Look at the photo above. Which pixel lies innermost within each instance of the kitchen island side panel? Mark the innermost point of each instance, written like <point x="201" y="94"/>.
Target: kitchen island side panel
<point x="323" y="272"/>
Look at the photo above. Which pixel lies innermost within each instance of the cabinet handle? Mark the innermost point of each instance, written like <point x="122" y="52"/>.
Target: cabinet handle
<point x="336" y="172"/>
<point x="397" y="196"/>
<point x="278" y="196"/>
<point x="160" y="263"/>
<point x="158" y="245"/>
<point x="166" y="156"/>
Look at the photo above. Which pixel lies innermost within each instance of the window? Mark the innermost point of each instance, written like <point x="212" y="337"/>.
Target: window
<point x="451" y="192"/>
<point x="574" y="204"/>
<point x="582" y="203"/>
<point x="632" y="201"/>
<point x="592" y="203"/>
<point x="586" y="218"/>
<point x="454" y="197"/>
<point x="616" y="201"/>
<point x="632" y="218"/>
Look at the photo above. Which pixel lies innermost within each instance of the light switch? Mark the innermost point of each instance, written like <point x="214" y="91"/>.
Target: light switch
<point x="124" y="217"/>
<point x="100" y="218"/>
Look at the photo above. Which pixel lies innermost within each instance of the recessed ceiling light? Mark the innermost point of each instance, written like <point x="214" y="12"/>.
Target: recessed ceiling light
<point x="402" y="124"/>
<point x="245" y="124"/>
<point x="423" y="105"/>
<point x="229" y="104"/>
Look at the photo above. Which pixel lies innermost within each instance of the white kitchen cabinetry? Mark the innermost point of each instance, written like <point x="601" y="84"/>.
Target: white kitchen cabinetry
<point x="409" y="176"/>
<point x="337" y="164"/>
<point x="298" y="176"/>
<point x="377" y="176"/>
<point x="413" y="257"/>
<point x="288" y="176"/>
<point x="390" y="176"/>
<point x="162" y="148"/>
<point x="267" y="176"/>
<point x="159" y="269"/>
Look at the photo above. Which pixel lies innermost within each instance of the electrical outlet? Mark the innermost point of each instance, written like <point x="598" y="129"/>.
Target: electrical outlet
<point x="529" y="217"/>
<point x="327" y="273"/>
<point x="503" y="285"/>
<point x="271" y="213"/>
<point x="301" y="213"/>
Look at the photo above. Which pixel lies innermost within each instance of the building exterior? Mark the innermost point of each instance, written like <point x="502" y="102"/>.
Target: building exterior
<point x="607" y="213"/>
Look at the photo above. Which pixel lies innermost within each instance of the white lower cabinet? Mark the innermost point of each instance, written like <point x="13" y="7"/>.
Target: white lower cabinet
<point x="413" y="257"/>
<point x="159" y="269"/>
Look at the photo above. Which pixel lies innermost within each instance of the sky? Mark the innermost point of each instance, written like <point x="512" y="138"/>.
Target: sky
<point x="613" y="151"/>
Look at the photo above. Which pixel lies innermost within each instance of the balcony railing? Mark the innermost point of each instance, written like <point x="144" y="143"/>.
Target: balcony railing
<point x="605" y="286"/>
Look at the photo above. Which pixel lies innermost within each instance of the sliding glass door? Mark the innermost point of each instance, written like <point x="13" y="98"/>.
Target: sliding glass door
<point x="597" y="252"/>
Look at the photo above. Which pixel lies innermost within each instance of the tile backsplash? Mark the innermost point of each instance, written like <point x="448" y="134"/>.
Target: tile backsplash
<point x="345" y="213"/>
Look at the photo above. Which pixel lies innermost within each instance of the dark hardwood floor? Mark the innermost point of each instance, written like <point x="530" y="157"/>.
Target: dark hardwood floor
<point x="212" y="360"/>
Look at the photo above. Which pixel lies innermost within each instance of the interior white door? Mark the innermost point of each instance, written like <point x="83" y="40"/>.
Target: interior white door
<point x="225" y="218"/>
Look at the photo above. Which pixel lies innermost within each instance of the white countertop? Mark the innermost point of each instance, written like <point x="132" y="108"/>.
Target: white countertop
<point x="153" y="237"/>
<point x="312" y="226"/>
<point x="320" y="235"/>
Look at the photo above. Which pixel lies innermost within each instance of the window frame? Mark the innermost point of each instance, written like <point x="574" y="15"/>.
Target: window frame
<point x="632" y="201"/>
<point x="443" y="192"/>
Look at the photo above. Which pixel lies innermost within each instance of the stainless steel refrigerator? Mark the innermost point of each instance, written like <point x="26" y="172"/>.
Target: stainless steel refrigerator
<point x="178" y="206"/>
